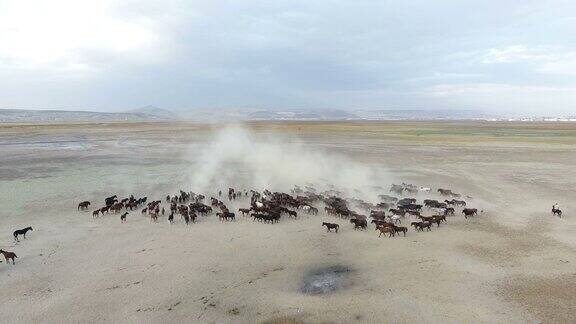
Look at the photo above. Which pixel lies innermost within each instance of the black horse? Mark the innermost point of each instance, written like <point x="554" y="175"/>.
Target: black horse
<point x="21" y="232"/>
<point x="557" y="212"/>
<point x="83" y="205"/>
<point x="111" y="200"/>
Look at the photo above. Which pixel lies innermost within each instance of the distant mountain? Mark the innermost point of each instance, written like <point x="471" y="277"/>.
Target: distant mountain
<point x="151" y="113"/>
<point x="154" y="112"/>
<point x="311" y="114"/>
<point x="44" y="116"/>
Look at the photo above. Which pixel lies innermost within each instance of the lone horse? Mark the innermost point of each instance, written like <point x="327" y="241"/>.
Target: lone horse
<point x="557" y="212"/>
<point x="21" y="232"/>
<point x="83" y="205"/>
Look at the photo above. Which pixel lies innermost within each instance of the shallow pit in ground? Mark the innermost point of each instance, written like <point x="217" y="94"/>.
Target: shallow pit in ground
<point x="326" y="280"/>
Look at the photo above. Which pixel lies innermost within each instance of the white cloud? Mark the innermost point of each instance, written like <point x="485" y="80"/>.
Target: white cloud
<point x="285" y="53"/>
<point x="38" y="34"/>
<point x="526" y="99"/>
<point x="517" y="53"/>
<point x="546" y="59"/>
<point x="494" y="88"/>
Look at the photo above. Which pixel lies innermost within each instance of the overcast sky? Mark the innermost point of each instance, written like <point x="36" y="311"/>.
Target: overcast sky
<point x="509" y="57"/>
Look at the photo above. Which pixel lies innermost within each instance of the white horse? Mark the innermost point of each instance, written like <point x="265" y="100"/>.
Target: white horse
<point x="425" y="189"/>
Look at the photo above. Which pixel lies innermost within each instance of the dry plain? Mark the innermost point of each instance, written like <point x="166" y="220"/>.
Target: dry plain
<point x="513" y="263"/>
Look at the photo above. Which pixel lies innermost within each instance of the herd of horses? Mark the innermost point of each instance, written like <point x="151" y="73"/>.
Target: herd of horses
<point x="269" y="207"/>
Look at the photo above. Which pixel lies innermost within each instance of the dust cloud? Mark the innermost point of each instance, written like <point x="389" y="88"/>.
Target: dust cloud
<point x="240" y="158"/>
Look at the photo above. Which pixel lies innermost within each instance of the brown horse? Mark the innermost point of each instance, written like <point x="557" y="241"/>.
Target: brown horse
<point x="123" y="217"/>
<point x="399" y="229"/>
<point x="8" y="256"/>
<point x="469" y="212"/>
<point x="330" y="226"/>
<point x="385" y="229"/>
<point x="244" y="211"/>
<point x="419" y="226"/>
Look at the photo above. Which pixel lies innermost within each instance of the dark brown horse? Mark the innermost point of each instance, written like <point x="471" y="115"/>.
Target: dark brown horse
<point x="419" y="226"/>
<point x="398" y="229"/>
<point x="469" y="212"/>
<point x="244" y="211"/>
<point x="8" y="256"/>
<point x="330" y="226"/>
<point x="359" y="223"/>
<point x="83" y="205"/>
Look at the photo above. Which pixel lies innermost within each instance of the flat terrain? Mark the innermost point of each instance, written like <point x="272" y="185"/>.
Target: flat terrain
<point x="514" y="262"/>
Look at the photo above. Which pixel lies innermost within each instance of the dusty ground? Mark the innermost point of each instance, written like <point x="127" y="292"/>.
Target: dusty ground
<point x="513" y="263"/>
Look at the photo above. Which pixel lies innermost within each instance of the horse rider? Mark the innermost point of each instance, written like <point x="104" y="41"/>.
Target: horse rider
<point x="555" y="207"/>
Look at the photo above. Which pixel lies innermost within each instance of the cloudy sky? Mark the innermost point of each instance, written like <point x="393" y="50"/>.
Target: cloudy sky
<point x="508" y="57"/>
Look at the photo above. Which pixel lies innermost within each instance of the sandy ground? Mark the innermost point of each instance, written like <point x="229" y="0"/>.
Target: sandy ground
<point x="513" y="263"/>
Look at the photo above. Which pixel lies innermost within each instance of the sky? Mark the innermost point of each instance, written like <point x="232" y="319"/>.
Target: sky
<point x="505" y="57"/>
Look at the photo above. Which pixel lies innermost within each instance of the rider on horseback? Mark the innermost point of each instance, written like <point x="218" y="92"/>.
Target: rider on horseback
<point x="555" y="207"/>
